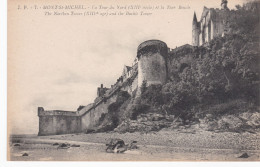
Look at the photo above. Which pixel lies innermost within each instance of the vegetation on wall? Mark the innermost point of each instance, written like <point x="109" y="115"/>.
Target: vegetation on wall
<point x="112" y="119"/>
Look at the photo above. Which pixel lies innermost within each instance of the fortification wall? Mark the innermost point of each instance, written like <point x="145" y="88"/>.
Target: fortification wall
<point x="179" y="59"/>
<point x="133" y="86"/>
<point x="91" y="118"/>
<point x="54" y="122"/>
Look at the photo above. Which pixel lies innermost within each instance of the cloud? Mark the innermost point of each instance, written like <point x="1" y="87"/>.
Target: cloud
<point x="70" y="77"/>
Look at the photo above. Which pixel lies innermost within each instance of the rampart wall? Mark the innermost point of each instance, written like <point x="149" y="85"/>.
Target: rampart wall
<point x="91" y="117"/>
<point x="54" y="122"/>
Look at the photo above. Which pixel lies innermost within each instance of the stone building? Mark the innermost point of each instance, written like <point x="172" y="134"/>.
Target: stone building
<point x="211" y="24"/>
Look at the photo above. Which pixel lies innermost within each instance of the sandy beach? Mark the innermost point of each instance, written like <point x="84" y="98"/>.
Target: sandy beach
<point x="164" y="145"/>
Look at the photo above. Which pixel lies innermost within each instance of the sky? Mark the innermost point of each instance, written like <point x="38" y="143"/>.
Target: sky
<point x="57" y="62"/>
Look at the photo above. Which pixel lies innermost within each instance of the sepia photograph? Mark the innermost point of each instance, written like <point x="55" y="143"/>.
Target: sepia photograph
<point x="133" y="80"/>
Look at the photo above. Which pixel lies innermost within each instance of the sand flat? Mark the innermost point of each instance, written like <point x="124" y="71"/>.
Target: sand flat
<point x="164" y="145"/>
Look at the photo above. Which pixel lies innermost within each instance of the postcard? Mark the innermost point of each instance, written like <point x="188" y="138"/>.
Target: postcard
<point x="133" y="80"/>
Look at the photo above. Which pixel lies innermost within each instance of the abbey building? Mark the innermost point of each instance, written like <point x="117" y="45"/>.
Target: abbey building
<point x="211" y="24"/>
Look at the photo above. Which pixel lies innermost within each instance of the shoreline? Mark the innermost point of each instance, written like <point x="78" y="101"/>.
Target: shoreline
<point x="153" y="146"/>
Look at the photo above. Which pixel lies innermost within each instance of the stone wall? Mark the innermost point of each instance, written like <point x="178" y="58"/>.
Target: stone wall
<point x="91" y="118"/>
<point x="54" y="122"/>
<point x="179" y="59"/>
<point x="152" y="64"/>
<point x="152" y="69"/>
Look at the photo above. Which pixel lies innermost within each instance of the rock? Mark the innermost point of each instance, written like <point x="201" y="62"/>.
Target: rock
<point x="144" y="123"/>
<point x="133" y="145"/>
<point x="116" y="146"/>
<point x="55" y="144"/>
<point x="154" y="117"/>
<point x="209" y="125"/>
<point x="181" y="127"/>
<point x="90" y="131"/>
<point x="64" y="146"/>
<point x="142" y="118"/>
<point x="187" y="126"/>
<point x="245" y="115"/>
<point x="217" y="131"/>
<point x="175" y="124"/>
<point x="25" y="154"/>
<point x="254" y="119"/>
<point x="245" y="155"/>
<point x="230" y="122"/>
<point x="209" y="116"/>
<point x="75" y="145"/>
<point x="170" y="118"/>
<point x="17" y="144"/>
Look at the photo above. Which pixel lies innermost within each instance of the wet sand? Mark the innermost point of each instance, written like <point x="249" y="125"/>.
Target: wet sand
<point x="164" y="145"/>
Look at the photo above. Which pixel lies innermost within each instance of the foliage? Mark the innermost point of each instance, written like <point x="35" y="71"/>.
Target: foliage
<point x="111" y="120"/>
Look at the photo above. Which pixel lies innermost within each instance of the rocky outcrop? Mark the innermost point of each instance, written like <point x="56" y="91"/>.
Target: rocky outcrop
<point x="146" y="123"/>
<point x="247" y="121"/>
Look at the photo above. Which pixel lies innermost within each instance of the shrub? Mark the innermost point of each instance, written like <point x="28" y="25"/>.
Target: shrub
<point x="139" y="109"/>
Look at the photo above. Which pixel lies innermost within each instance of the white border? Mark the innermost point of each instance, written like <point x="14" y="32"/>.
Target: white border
<point x="3" y="123"/>
<point x="3" y="80"/>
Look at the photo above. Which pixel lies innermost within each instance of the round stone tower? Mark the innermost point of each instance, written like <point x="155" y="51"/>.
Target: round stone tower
<point x="152" y="67"/>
